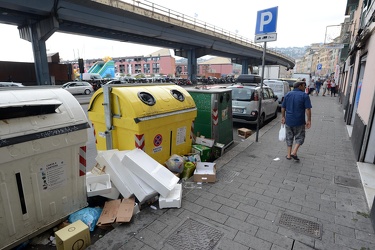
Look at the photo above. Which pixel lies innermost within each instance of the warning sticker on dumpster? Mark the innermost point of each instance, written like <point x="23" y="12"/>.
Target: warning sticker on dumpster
<point x="181" y="135"/>
<point x="52" y="175"/>
<point x="158" y="139"/>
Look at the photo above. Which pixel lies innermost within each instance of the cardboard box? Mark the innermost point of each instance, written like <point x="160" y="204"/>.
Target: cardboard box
<point x="244" y="132"/>
<point x="204" y="151"/>
<point x="205" y="141"/>
<point x="116" y="211"/>
<point x="205" y="172"/>
<point x="173" y="200"/>
<point x="73" y="236"/>
<point x="218" y="150"/>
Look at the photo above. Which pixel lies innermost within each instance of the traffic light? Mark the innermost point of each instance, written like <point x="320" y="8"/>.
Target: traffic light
<point x="81" y="66"/>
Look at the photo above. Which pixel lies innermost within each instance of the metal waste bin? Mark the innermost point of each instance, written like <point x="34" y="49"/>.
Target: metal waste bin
<point x="214" y="117"/>
<point x="43" y="135"/>
<point x="155" y="118"/>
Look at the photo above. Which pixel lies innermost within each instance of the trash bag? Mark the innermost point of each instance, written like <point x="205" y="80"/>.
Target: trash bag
<point x="175" y="163"/>
<point x="88" y="215"/>
<point x="282" y="133"/>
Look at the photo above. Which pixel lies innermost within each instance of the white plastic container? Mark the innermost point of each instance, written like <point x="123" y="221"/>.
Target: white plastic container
<point x="153" y="173"/>
<point x="173" y="200"/>
<point x="98" y="184"/>
<point x="43" y="134"/>
<point x="136" y="185"/>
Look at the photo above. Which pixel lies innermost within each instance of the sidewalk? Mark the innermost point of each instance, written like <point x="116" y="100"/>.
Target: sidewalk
<point x="263" y="201"/>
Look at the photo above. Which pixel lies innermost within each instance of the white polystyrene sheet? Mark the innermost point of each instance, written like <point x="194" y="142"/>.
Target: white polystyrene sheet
<point x="149" y="170"/>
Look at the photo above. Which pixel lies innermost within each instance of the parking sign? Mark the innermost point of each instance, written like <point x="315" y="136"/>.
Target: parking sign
<point x="266" y="21"/>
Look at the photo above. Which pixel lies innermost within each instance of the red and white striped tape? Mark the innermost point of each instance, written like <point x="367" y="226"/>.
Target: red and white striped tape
<point x="215" y="116"/>
<point x="82" y="161"/>
<point x="139" y="141"/>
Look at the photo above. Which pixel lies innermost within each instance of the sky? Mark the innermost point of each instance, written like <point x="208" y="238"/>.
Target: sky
<point x="299" y="23"/>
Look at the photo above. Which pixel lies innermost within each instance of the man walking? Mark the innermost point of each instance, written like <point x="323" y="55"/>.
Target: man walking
<point x="296" y="103"/>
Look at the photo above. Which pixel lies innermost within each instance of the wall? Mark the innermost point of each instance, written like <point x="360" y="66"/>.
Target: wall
<point x="368" y="86"/>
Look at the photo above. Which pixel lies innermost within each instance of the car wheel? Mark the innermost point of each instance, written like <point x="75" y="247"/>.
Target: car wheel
<point x="261" y="121"/>
<point x="87" y="91"/>
<point x="276" y="111"/>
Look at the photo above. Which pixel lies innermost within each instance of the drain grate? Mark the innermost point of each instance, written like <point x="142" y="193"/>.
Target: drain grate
<point x="194" y="235"/>
<point x="299" y="225"/>
<point x="347" y="182"/>
<point x="226" y="175"/>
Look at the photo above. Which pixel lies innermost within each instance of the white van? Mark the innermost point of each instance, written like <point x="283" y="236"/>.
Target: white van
<point x="279" y="87"/>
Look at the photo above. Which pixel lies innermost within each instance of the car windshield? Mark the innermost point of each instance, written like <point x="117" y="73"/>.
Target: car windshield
<point x="276" y="87"/>
<point x="242" y="94"/>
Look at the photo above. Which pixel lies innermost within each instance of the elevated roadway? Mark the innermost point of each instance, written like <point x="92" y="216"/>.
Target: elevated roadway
<point x="130" y="21"/>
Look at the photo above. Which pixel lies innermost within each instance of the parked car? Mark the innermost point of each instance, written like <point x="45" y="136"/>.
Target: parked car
<point x="245" y="101"/>
<point x="11" y="84"/>
<point x="76" y="88"/>
<point x="279" y="87"/>
<point x="291" y="81"/>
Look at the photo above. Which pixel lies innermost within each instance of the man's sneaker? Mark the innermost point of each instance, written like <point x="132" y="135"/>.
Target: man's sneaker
<point x="295" y="157"/>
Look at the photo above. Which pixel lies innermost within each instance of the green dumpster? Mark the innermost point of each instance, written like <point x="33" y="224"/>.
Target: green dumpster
<point x="214" y="114"/>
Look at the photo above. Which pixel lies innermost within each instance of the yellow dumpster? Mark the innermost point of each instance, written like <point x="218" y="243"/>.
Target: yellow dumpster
<point x="155" y="118"/>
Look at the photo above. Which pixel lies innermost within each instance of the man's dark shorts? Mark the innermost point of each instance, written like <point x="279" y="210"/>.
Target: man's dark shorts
<point x="296" y="133"/>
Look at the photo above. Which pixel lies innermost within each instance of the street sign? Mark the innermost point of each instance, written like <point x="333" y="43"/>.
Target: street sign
<point x="266" y="21"/>
<point x="265" y="37"/>
<point x="319" y="66"/>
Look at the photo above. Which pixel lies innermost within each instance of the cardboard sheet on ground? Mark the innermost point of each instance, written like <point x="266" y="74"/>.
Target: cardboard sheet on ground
<point x="116" y="211"/>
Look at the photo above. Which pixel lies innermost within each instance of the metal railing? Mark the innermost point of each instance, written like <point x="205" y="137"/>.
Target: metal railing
<point x="185" y="19"/>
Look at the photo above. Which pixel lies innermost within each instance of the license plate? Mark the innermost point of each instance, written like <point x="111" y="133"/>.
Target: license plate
<point x="237" y="110"/>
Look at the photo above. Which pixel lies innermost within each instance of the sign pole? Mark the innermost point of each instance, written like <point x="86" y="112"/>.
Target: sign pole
<point x="260" y="97"/>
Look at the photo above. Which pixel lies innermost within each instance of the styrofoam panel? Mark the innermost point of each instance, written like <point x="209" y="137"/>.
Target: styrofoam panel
<point x="149" y="170"/>
<point x="104" y="159"/>
<point x="173" y="200"/>
<point x="137" y="186"/>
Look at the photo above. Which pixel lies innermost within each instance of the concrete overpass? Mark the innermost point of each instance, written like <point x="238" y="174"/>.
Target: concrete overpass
<point x="130" y="21"/>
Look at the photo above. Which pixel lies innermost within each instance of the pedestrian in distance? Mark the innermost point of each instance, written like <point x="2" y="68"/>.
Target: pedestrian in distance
<point x="325" y="83"/>
<point x="318" y="85"/>
<point x="311" y="87"/>
<point x="333" y="88"/>
<point x="329" y="86"/>
<point x="295" y="107"/>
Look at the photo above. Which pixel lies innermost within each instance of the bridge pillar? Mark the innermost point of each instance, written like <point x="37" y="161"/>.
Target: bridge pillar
<point x="37" y="34"/>
<point x="192" y="65"/>
<point x="245" y="66"/>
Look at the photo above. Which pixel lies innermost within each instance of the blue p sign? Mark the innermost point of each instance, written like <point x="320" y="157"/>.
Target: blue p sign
<point x="266" y="21"/>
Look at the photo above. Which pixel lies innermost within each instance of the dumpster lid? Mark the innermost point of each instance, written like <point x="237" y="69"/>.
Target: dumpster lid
<point x="56" y="103"/>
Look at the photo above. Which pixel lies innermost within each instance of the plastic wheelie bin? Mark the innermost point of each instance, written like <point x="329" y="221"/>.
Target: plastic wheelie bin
<point x="43" y="135"/>
<point x="214" y="116"/>
<point x="155" y="118"/>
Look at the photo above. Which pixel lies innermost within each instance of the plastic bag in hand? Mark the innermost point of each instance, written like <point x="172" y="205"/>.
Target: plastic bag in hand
<point x="282" y="133"/>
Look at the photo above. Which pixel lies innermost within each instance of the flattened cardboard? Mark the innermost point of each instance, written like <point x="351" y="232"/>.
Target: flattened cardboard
<point x="125" y="211"/>
<point x="205" y="172"/>
<point x="109" y="213"/>
<point x="116" y="211"/>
